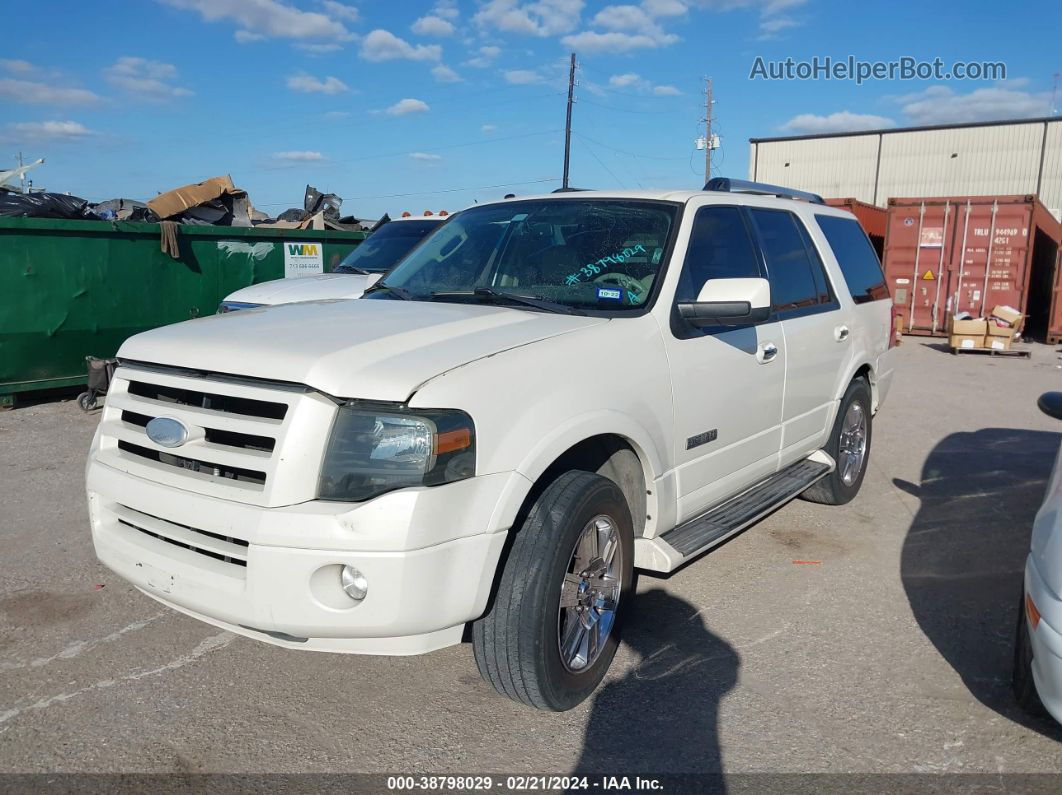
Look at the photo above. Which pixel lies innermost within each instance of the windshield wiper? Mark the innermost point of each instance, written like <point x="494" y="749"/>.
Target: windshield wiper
<point x="533" y="301"/>
<point x="400" y="292"/>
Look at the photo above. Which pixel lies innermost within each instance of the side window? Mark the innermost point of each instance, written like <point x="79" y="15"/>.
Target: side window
<point x="855" y="255"/>
<point x="719" y="248"/>
<point x="818" y="270"/>
<point x="788" y="263"/>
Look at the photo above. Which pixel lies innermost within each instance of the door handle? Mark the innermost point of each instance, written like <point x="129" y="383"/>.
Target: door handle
<point x="841" y="333"/>
<point x="767" y="352"/>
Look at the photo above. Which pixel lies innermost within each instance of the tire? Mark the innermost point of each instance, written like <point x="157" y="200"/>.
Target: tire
<point x="1021" y="677"/>
<point x="832" y="489"/>
<point x="86" y="401"/>
<point x="517" y="644"/>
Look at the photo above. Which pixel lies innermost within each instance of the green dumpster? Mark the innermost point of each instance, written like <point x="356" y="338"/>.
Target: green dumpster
<point x="69" y="289"/>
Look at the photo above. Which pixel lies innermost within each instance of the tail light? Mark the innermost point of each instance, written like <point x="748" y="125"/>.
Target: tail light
<point x="893" y="338"/>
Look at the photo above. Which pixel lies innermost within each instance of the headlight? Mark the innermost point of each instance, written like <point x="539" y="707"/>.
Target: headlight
<point x="375" y="451"/>
<point x="232" y="306"/>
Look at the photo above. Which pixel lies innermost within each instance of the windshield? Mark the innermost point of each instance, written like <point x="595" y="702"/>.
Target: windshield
<point x="386" y="246"/>
<point x="602" y="254"/>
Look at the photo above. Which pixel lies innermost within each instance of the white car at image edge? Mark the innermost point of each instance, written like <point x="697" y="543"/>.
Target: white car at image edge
<point x="1038" y="647"/>
<point x="358" y="271"/>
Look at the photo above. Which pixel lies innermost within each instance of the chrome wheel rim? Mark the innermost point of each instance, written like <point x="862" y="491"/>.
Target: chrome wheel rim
<point x="590" y="594"/>
<point x="852" y="446"/>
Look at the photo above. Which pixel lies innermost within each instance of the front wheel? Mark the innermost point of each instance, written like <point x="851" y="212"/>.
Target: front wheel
<point x="553" y="628"/>
<point x="849" y="445"/>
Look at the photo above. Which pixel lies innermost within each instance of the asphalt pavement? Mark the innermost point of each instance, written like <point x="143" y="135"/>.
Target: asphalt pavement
<point x="870" y="638"/>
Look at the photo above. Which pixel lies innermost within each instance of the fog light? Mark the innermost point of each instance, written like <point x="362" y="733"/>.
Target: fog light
<point x="354" y="583"/>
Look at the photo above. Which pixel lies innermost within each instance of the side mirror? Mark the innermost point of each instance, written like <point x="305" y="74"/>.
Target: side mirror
<point x="1050" y="403"/>
<point x="729" y="302"/>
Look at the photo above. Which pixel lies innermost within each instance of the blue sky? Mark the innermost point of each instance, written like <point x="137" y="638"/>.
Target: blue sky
<point x="428" y="105"/>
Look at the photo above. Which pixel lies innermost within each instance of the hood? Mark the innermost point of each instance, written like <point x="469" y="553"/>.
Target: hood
<point x="306" y="288"/>
<point x="375" y="350"/>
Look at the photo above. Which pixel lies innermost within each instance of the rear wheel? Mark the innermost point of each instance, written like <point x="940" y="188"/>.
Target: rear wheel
<point x="849" y="445"/>
<point x="553" y="628"/>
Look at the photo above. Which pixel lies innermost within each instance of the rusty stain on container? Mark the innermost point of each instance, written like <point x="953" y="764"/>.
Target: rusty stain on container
<point x="872" y="218"/>
<point x="950" y="254"/>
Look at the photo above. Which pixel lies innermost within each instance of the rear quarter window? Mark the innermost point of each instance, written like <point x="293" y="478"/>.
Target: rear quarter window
<point x="858" y="261"/>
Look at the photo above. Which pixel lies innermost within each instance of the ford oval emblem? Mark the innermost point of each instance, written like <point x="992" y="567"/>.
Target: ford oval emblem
<point x="166" y="432"/>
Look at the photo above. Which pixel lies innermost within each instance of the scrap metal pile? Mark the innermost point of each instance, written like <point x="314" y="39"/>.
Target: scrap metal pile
<point x="212" y="202"/>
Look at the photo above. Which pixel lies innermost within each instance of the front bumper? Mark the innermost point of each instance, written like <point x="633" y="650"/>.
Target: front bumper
<point x="1046" y="642"/>
<point x="273" y="573"/>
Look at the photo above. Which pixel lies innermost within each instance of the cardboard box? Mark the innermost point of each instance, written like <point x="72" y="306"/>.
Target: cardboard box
<point x="966" y="341"/>
<point x="969" y="328"/>
<point x="180" y="199"/>
<point x="998" y="343"/>
<point x="999" y="332"/>
<point x="1007" y="314"/>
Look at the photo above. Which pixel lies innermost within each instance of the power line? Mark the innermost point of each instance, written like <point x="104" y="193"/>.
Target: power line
<point x="448" y="190"/>
<point x="600" y="161"/>
<point x="625" y="152"/>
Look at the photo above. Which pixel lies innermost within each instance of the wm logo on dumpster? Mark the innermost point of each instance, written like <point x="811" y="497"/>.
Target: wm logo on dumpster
<point x="302" y="249"/>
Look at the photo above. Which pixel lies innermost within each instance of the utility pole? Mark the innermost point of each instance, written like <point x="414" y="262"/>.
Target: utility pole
<point x="707" y="129"/>
<point x="568" y="122"/>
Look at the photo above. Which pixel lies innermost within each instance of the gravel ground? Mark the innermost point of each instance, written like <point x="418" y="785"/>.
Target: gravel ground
<point x="871" y="638"/>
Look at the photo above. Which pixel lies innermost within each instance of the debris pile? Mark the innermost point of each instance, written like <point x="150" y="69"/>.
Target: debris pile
<point x="212" y="202"/>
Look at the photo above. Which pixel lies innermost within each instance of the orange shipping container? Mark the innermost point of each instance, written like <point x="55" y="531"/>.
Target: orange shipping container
<point x="947" y="255"/>
<point x="871" y="217"/>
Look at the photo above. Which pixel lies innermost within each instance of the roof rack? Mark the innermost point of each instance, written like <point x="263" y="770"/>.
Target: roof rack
<point x="727" y="185"/>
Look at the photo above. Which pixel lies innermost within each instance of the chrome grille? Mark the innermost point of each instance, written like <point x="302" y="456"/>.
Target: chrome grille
<point x="238" y="429"/>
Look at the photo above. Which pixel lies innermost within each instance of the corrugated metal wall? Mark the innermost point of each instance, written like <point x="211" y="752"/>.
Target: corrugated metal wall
<point x="952" y="161"/>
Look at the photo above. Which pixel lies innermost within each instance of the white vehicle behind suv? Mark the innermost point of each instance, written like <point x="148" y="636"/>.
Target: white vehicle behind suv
<point x="546" y="395"/>
<point x="358" y="271"/>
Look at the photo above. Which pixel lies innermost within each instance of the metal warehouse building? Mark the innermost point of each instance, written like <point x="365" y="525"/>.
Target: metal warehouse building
<point x="1020" y="156"/>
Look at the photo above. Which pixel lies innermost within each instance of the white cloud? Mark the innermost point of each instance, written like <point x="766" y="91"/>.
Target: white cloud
<point x="636" y="82"/>
<point x="486" y="55"/>
<point x="269" y="17"/>
<point x="247" y="37"/>
<point x="432" y="26"/>
<point x="522" y="77"/>
<point x="34" y="93"/>
<point x="625" y="17"/>
<point x="61" y="130"/>
<point x="842" y="121"/>
<point x="425" y="157"/>
<point x="487" y="129"/>
<point x="591" y="41"/>
<point x="772" y="26"/>
<point x="382" y="45"/>
<point x="664" y="8"/>
<point x="444" y="74"/>
<point x="308" y="84"/>
<point x="941" y="105"/>
<point x="146" y="79"/>
<point x="341" y="10"/>
<point x="296" y="156"/>
<point x="447" y="9"/>
<point x="406" y="106"/>
<point x="624" y="80"/>
<point x="540" y="18"/>
<point x="17" y="66"/>
<point x="318" y="49"/>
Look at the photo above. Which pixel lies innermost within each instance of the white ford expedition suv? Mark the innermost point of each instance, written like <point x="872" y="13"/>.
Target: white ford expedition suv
<point x="546" y="395"/>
